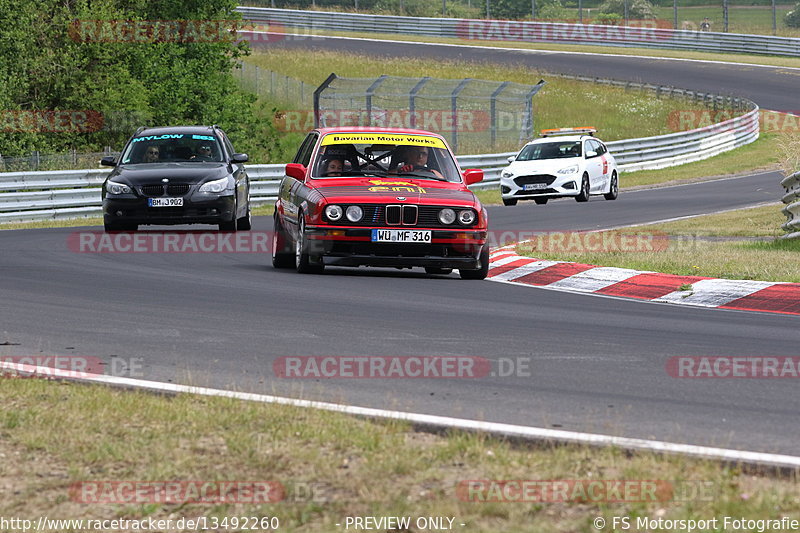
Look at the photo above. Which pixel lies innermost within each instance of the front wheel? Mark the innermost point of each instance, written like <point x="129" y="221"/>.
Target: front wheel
<point x="481" y="272"/>
<point x="305" y="263"/>
<point x="613" y="191"/>
<point x="438" y="270"/>
<point x="540" y="201"/>
<point x="119" y="226"/>
<point x="583" y="196"/>
<point x="509" y="201"/>
<point x="231" y="224"/>
<point x="245" y="223"/>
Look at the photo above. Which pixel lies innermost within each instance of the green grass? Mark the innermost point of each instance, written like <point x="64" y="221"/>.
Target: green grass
<point x="719" y="245"/>
<point x="616" y="113"/>
<point x="331" y="465"/>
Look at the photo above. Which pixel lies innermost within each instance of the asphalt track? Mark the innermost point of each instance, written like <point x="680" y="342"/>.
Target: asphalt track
<point x="595" y="364"/>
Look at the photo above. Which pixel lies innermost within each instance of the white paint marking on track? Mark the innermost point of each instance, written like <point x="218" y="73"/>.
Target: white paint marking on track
<point x="511" y="430"/>
<point x="504" y="261"/>
<point x="595" y="279"/>
<point x="524" y="270"/>
<point x="715" y="292"/>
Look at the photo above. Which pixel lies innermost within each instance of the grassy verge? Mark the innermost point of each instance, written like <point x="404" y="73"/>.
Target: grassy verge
<point x="331" y="466"/>
<point x="617" y="113"/>
<point x="609" y="50"/>
<point x="720" y="245"/>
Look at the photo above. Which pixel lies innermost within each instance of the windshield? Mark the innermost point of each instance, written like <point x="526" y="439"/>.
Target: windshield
<point x="550" y="150"/>
<point x="378" y="154"/>
<point x="171" y="148"/>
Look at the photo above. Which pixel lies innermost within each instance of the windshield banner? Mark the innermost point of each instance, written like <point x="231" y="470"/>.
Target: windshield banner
<point x="382" y="138"/>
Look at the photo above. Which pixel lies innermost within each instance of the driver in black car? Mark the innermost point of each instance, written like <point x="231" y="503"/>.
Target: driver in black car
<point x="203" y="153"/>
<point x="415" y="159"/>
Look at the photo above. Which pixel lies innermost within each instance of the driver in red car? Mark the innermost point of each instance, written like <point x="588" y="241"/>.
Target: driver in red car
<point x="415" y="159"/>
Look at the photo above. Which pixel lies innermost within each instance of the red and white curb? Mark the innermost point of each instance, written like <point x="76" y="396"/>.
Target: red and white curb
<point x="744" y="295"/>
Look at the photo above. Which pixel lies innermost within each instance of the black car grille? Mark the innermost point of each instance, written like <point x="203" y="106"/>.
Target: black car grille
<point x="153" y="191"/>
<point x="535" y="191"/>
<point x="177" y="189"/>
<point x="547" y="179"/>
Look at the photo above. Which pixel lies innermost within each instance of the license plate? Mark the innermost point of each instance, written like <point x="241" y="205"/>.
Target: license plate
<point x="534" y="186"/>
<point x="165" y="202"/>
<point x="401" y="235"/>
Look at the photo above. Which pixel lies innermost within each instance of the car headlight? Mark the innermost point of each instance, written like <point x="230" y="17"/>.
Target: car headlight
<point x="466" y="217"/>
<point x="354" y="213"/>
<point x="447" y="216"/>
<point x="216" y="186"/>
<point x="569" y="170"/>
<point x="333" y="212"/>
<point x="113" y="187"/>
<point x="506" y="174"/>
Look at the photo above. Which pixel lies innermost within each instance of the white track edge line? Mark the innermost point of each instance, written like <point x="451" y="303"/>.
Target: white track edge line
<point x="511" y="430"/>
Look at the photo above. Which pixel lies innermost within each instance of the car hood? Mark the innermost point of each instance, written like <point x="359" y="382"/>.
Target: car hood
<point x="542" y="166"/>
<point x="369" y="189"/>
<point x="174" y="172"/>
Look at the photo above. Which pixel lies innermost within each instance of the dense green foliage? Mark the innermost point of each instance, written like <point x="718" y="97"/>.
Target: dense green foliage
<point x="637" y="9"/>
<point x="54" y="57"/>
<point x="792" y="18"/>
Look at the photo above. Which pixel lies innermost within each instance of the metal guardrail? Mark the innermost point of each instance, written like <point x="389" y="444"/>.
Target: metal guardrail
<point x="792" y="210"/>
<point x="526" y="31"/>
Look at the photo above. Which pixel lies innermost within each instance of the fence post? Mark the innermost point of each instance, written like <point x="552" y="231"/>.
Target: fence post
<point x="529" y="109"/>
<point x="412" y="107"/>
<point x="368" y="94"/>
<point x="317" y="92"/>
<point x="493" y="111"/>
<point x="454" y="110"/>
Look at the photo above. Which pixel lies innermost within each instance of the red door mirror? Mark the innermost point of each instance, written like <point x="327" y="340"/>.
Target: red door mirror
<point x="473" y="175"/>
<point x="296" y="171"/>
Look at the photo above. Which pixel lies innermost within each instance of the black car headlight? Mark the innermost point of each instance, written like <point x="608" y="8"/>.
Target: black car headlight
<point x="215" y="187"/>
<point x="113" y="187"/>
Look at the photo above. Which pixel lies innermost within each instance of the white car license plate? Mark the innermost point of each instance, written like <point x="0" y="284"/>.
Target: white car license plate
<point x="401" y="235"/>
<point x="165" y="202"/>
<point x="534" y="186"/>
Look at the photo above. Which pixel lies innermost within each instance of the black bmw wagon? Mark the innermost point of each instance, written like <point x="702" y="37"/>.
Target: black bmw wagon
<point x="177" y="175"/>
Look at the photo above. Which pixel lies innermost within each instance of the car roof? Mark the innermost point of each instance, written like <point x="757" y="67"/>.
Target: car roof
<point x="567" y="138"/>
<point x="162" y="130"/>
<point x="370" y="129"/>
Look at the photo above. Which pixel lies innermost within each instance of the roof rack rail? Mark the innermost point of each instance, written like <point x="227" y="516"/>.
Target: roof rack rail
<point x="584" y="130"/>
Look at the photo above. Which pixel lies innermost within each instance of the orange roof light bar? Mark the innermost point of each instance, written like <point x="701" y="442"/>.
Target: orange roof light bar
<point x="569" y="131"/>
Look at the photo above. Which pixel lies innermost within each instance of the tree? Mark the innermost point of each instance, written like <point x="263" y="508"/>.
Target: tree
<point x="792" y="18"/>
<point x="637" y="9"/>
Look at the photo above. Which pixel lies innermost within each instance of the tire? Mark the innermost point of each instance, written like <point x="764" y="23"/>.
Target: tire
<point x="583" y="196"/>
<point x="438" y="270"/>
<point x="480" y="273"/>
<point x="509" y="201"/>
<point x="245" y="223"/>
<point x="302" y="260"/>
<point x="540" y="201"/>
<point x="282" y="253"/>
<point x="231" y="225"/>
<point x="613" y="192"/>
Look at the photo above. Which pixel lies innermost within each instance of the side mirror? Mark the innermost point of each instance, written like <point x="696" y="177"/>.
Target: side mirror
<point x="109" y="161"/>
<point x="473" y="175"/>
<point x="512" y="158"/>
<point x="590" y="153"/>
<point x="296" y="171"/>
<point x="239" y="158"/>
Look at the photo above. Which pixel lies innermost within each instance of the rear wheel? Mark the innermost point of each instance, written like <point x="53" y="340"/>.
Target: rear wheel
<point x="613" y="192"/>
<point x="481" y="272"/>
<point x="541" y="201"/>
<point x="438" y="270"/>
<point x="282" y="253"/>
<point x="583" y="196"/>
<point x="305" y="263"/>
<point x="509" y="201"/>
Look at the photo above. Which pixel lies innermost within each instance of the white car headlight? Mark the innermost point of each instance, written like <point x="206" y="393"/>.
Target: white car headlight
<point x="333" y="212"/>
<point x="215" y="186"/>
<point x="447" y="216"/>
<point x="354" y="213"/>
<point x="117" y="188"/>
<point x="466" y="217"/>
<point x="506" y="174"/>
<point x="569" y="170"/>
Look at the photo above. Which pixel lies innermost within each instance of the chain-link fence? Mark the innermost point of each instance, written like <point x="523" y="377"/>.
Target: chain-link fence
<point x="279" y="88"/>
<point x="473" y="115"/>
